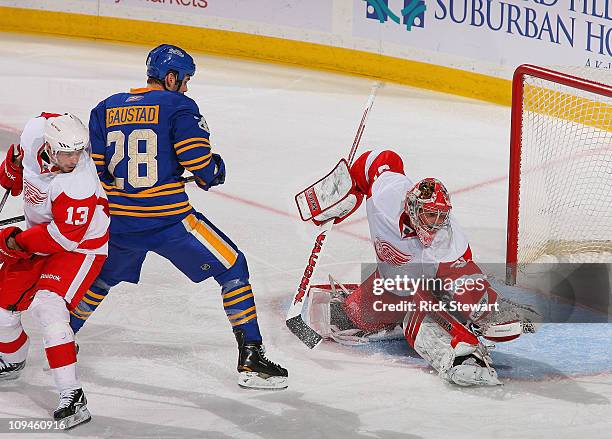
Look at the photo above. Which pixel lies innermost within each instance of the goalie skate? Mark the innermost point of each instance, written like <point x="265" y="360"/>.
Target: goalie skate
<point x="471" y="371"/>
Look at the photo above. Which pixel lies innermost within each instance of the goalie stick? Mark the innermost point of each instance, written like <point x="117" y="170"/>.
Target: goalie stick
<point x="294" y="320"/>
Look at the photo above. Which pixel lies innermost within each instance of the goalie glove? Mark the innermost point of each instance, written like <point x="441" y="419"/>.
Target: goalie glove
<point x="332" y="197"/>
<point x="508" y="322"/>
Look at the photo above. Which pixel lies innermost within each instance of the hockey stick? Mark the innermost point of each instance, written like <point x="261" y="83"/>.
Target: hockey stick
<point x="4" y="198"/>
<point x="18" y="219"/>
<point x="15" y="219"/>
<point x="294" y="320"/>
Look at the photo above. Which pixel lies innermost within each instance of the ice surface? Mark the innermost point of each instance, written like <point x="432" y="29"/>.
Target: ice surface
<point x="158" y="359"/>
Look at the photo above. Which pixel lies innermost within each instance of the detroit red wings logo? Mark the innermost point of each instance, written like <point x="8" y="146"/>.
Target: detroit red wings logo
<point x="389" y="254"/>
<point x="32" y="195"/>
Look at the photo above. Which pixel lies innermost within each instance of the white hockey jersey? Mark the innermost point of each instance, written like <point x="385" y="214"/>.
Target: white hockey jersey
<point x="394" y="241"/>
<point x="64" y="211"/>
<point x="380" y="176"/>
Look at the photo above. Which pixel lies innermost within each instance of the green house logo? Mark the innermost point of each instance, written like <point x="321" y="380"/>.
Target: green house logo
<point x="411" y="15"/>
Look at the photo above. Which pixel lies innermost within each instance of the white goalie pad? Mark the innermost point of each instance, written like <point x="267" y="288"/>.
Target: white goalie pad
<point x="330" y="197"/>
<point x="433" y="343"/>
<point x="318" y="317"/>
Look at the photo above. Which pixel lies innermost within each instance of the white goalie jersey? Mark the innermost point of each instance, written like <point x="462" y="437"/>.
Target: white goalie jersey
<point x="380" y="176"/>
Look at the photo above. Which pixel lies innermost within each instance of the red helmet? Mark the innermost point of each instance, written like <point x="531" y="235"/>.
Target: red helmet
<point x="428" y="207"/>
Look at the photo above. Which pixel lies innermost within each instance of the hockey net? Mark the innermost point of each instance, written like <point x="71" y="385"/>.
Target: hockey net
<point x="560" y="188"/>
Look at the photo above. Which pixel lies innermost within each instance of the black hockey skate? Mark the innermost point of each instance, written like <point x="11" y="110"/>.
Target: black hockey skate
<point x="10" y="371"/>
<point x="255" y="370"/>
<point x="72" y="409"/>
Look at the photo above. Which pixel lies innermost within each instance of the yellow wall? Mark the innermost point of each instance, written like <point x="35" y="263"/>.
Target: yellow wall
<point x="316" y="56"/>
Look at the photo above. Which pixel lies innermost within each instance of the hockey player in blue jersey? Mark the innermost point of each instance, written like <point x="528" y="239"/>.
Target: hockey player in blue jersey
<point x="142" y="142"/>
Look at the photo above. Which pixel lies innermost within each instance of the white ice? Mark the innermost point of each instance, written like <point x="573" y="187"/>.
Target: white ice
<point x="158" y="359"/>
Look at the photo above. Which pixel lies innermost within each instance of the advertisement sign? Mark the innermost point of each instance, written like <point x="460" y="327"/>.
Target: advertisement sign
<point x="484" y="36"/>
<point x="504" y="33"/>
<point x="311" y="15"/>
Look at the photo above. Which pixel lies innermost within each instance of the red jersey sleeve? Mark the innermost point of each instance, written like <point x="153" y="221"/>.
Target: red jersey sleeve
<point x="467" y="284"/>
<point x="71" y="219"/>
<point x="371" y="164"/>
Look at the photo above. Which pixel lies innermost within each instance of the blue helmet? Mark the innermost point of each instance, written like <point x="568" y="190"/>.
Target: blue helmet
<point x="165" y="58"/>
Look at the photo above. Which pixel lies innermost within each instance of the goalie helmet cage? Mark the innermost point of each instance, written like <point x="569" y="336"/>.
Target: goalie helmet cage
<point x="560" y="180"/>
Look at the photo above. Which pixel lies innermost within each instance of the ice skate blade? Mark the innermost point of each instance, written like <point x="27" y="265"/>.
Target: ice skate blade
<point x="10" y="376"/>
<point x="251" y="380"/>
<point x="82" y="416"/>
<point x="470" y="375"/>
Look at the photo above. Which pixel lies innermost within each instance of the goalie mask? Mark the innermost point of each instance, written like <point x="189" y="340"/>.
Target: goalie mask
<point x="428" y="207"/>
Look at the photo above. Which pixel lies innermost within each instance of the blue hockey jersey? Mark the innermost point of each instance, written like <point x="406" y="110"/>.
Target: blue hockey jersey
<point x="142" y="142"/>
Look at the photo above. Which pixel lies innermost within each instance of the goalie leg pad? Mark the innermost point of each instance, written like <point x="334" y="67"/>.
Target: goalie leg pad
<point x="453" y="351"/>
<point x="319" y="315"/>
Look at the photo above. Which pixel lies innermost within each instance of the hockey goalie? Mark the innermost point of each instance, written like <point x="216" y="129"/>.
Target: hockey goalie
<point x="414" y="235"/>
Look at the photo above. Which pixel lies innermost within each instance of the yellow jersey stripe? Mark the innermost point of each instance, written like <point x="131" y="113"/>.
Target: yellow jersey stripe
<point x="159" y="207"/>
<point x="211" y="237"/>
<point x="96" y="156"/>
<point x="192" y="139"/>
<point x="236" y="292"/>
<point x="162" y="187"/>
<point x="240" y="299"/>
<point x="191" y="162"/>
<point x="81" y="312"/>
<point x="246" y="319"/>
<point x="94" y="295"/>
<point x="142" y="195"/>
<point x="188" y="147"/>
<point x="77" y="316"/>
<point x="91" y="302"/>
<point x="241" y="313"/>
<point x="96" y="162"/>
<point x="195" y="168"/>
<point x="150" y="214"/>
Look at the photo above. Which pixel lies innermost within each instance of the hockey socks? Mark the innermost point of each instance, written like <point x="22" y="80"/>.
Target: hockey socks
<point x="239" y="305"/>
<point x="88" y="304"/>
<point x="13" y="352"/>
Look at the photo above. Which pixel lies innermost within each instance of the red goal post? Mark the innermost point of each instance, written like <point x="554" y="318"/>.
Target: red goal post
<point x="560" y="176"/>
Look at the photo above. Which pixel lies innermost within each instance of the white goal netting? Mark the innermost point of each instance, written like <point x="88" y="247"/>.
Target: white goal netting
<point x="565" y="196"/>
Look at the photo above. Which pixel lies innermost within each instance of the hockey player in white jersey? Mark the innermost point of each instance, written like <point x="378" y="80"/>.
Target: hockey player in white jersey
<point x="414" y="233"/>
<point x="48" y="267"/>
